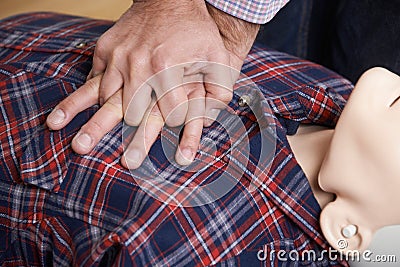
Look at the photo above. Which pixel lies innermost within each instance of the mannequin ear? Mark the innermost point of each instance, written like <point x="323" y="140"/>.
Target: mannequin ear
<point x="343" y="230"/>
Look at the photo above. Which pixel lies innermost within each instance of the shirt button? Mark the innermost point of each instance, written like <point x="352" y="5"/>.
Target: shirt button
<point x="244" y="100"/>
<point x="80" y="45"/>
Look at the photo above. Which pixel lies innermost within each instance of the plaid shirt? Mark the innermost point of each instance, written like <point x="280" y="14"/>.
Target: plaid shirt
<point x="257" y="11"/>
<point x="59" y="208"/>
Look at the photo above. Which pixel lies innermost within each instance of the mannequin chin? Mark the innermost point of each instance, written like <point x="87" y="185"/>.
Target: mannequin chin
<point x="358" y="162"/>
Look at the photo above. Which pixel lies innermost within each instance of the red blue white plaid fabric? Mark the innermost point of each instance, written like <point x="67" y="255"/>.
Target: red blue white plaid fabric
<point x="63" y="209"/>
<point x="258" y="11"/>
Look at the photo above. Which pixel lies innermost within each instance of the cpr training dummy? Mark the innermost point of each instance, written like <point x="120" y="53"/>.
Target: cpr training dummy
<point x="354" y="169"/>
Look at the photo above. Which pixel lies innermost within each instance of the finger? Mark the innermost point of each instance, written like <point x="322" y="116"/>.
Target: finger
<point x="219" y="79"/>
<point x="217" y="98"/>
<point x="136" y="102"/>
<point x="99" y="65"/>
<point x="212" y="110"/>
<point x="137" y="92"/>
<point x="102" y="122"/>
<point x="171" y="95"/>
<point x="144" y="138"/>
<point x="192" y="131"/>
<point x="111" y="82"/>
<point x="174" y="106"/>
<point x="86" y="96"/>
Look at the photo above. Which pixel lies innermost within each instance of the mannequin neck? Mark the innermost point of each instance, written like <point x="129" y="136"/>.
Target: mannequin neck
<point x="310" y="145"/>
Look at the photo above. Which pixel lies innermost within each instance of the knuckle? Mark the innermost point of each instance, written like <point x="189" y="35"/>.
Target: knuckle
<point x="138" y="58"/>
<point x="118" y="54"/>
<point x="132" y="60"/>
<point x="136" y="62"/>
<point x="191" y="139"/>
<point x="116" y="99"/>
<point x="98" y="59"/>
<point x="102" y="45"/>
<point x="225" y="96"/>
<point x="93" y="87"/>
<point x="70" y="103"/>
<point x="159" y="62"/>
<point x="115" y="109"/>
<point x="114" y="105"/>
<point x="93" y="127"/>
<point x="132" y="121"/>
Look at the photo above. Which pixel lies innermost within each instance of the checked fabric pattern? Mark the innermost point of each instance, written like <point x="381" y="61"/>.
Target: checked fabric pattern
<point x="255" y="11"/>
<point x="58" y="208"/>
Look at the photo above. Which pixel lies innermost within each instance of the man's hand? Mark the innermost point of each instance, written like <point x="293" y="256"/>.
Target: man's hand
<point x="156" y="37"/>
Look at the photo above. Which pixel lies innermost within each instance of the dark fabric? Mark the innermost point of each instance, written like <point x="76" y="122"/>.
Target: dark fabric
<point x="302" y="28"/>
<point x="346" y="36"/>
<point x="367" y="34"/>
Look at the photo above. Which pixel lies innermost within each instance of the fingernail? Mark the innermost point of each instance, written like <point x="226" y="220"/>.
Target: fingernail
<point x="133" y="158"/>
<point x="186" y="156"/>
<point x="84" y="140"/>
<point x="57" y="116"/>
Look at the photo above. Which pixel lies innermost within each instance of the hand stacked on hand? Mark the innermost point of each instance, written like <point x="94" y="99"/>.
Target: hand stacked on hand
<point x="140" y="70"/>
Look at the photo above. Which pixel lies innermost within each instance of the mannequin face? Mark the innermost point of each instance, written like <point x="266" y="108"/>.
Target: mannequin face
<point x="362" y="165"/>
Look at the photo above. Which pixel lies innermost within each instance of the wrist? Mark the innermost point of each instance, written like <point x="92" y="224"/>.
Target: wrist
<point x="167" y="7"/>
<point x="238" y="35"/>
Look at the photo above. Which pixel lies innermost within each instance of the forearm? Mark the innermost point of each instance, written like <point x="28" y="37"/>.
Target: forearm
<point x="258" y="12"/>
